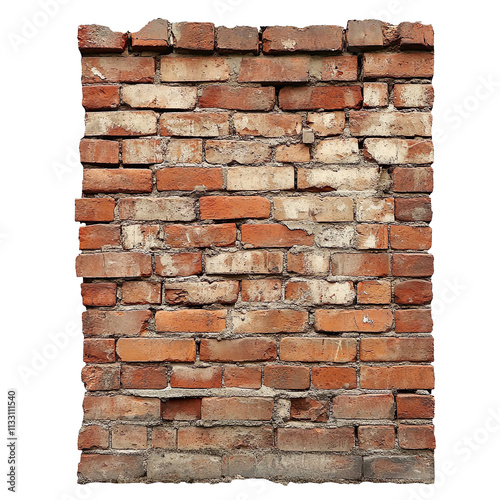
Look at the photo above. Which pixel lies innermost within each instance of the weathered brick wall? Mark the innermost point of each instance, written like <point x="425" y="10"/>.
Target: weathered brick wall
<point x="254" y="255"/>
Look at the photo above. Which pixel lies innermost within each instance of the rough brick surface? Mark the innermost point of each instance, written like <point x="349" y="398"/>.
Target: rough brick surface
<point x="255" y="253"/>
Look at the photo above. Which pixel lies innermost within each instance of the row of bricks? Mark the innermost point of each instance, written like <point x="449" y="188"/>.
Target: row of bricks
<point x="176" y="467"/>
<point x="108" y="377"/>
<point x="359" y="407"/>
<point x="376" y="437"/>
<point x="267" y="70"/>
<point x="251" y="350"/>
<point x="310" y="292"/>
<point x="154" y="237"/>
<point x="147" y="151"/>
<point x="214" y="124"/>
<point x="199" y="179"/>
<point x="103" y="209"/>
<point x="160" y="35"/>
<point x="375" y="95"/>
<point x="343" y="406"/>
<point x="267" y="321"/>
<point x="135" y="264"/>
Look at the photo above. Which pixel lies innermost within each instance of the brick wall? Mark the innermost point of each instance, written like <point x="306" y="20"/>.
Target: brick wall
<point x="254" y="254"/>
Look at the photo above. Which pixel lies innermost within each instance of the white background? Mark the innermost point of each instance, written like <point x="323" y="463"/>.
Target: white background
<point x="42" y="122"/>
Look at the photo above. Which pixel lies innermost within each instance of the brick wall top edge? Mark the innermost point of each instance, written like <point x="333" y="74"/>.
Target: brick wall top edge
<point x="205" y="37"/>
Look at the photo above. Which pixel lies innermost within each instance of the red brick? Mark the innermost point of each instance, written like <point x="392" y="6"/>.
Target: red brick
<point x="412" y="265"/>
<point x="363" y="406"/>
<point x="217" y="438"/>
<point x="310" y="263"/>
<point x="413" y="292"/>
<point x="411" y="238"/>
<point x="413" y="320"/>
<point x="113" y="265"/>
<point x="340" y="69"/>
<point x="129" y="437"/>
<point x="120" y="408"/>
<point x="318" y="349"/>
<point x="415" y="406"/>
<point x="234" y="350"/>
<point x="96" y="236"/>
<point x="189" y="179"/>
<point x="99" y="180"/>
<point x="181" y="409"/>
<point x="99" y="151"/>
<point x="101" y="377"/>
<point x="156" y="349"/>
<point x="415" y="468"/>
<point x="238" y="39"/>
<point x="364" y="35"/>
<point x="219" y="235"/>
<point x="398" y="65"/>
<point x="154" y="36"/>
<point x="413" y="209"/>
<point x="365" y="320"/>
<point x="93" y="437"/>
<point x="99" y="350"/>
<point x="178" y="264"/>
<point x="243" y="98"/>
<point x="376" y="437"/>
<point x="141" y="292"/>
<point x="293" y="153"/>
<point x="309" y="409"/>
<point x="413" y="180"/>
<point x="286" y="377"/>
<point x="106" y="323"/>
<point x="193" y="36"/>
<point x="397" y="377"/>
<point x="267" y="125"/>
<point x="118" y="69"/>
<point x="245" y="408"/>
<point x="270" y="321"/>
<point x="397" y="349"/>
<point x="350" y="264"/>
<point x="330" y="97"/>
<point x="282" y="39"/>
<point x="416" y="437"/>
<point x="94" y="210"/>
<point x="416" y="36"/>
<point x="247" y="377"/>
<point x="191" y="320"/>
<point x="315" y="439"/>
<point x="196" y="377"/>
<point x="98" y="294"/>
<point x="374" y="292"/>
<point x="274" y="69"/>
<point x="234" y="207"/>
<point x="101" y="97"/>
<point x="163" y="437"/>
<point x="151" y="376"/>
<point x="96" y="38"/>
<point x="273" y="236"/>
<point x="332" y="377"/>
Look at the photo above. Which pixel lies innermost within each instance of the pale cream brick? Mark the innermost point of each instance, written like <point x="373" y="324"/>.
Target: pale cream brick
<point x="348" y="179"/>
<point x="315" y="208"/>
<point x="337" y="151"/>
<point x="260" y="178"/>
<point x="159" y="96"/>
